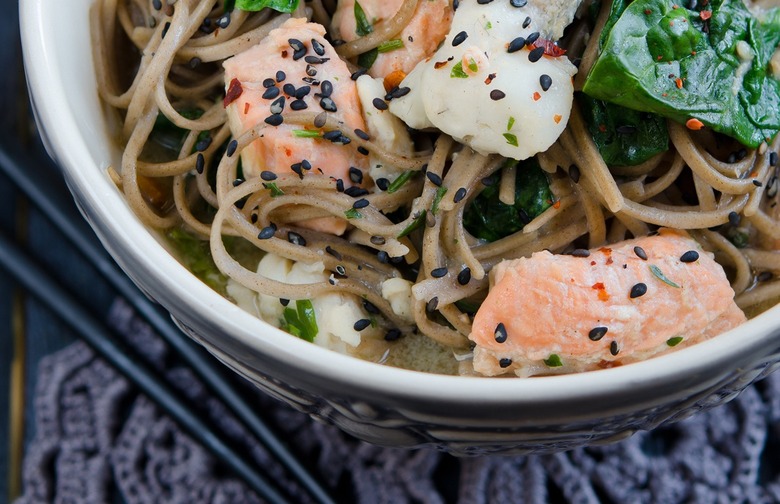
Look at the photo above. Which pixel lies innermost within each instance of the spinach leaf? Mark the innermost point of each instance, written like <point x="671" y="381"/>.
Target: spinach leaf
<point x="623" y="136"/>
<point x="167" y="134"/>
<point x="195" y="255"/>
<point x="362" y="25"/>
<point x="663" y="58"/>
<point x="489" y="219"/>
<point x="301" y="321"/>
<point x="277" y="5"/>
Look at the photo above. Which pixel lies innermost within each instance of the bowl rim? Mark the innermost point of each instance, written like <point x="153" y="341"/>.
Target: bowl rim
<point x="110" y="215"/>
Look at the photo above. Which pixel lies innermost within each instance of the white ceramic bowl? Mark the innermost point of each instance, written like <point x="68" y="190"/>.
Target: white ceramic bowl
<point x="380" y="404"/>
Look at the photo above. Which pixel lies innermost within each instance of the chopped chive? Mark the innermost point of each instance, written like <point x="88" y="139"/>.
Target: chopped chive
<point x="655" y="270"/>
<point x="674" y="341"/>
<point x="510" y="123"/>
<point x="390" y="45"/>
<point x="553" y="361"/>
<point x="400" y="181"/>
<point x="275" y="191"/>
<point x="511" y="139"/>
<point x="416" y="224"/>
<point x="303" y="133"/>
<point x="362" y="26"/>
<point x="440" y="192"/>
<point x="353" y="213"/>
<point x="473" y="65"/>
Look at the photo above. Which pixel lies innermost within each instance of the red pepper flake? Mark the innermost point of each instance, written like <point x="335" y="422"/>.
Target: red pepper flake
<point x="664" y="94"/>
<point x="694" y="124"/>
<point x="675" y="6"/>
<point x="659" y="58"/>
<point x="603" y="128"/>
<point x="234" y="91"/>
<point x="693" y="53"/>
<point x="603" y="295"/>
<point x="557" y="118"/>
<point x="606" y="251"/>
<point x="678" y="82"/>
<point x="537" y="96"/>
<point x="284" y="53"/>
<point x="550" y="47"/>
<point x="557" y="204"/>
<point x="609" y="261"/>
<point x="439" y="64"/>
<point x="288" y="152"/>
<point x="490" y="78"/>
<point x="593" y="263"/>
<point x="246" y="108"/>
<point x="648" y="12"/>
<point x="705" y="15"/>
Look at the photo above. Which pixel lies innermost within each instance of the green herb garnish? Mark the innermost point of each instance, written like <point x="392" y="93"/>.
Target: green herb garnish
<point x="416" y="224"/>
<point x="275" y="191"/>
<point x="362" y="26"/>
<point x="655" y="270"/>
<point x="353" y="213"/>
<point x="457" y="71"/>
<point x="301" y="321"/>
<point x="511" y="139"/>
<point x="440" y="192"/>
<point x="390" y="45"/>
<point x="304" y="133"/>
<point x="195" y="254"/>
<point x="367" y="59"/>
<point x="399" y="182"/>
<point x="674" y="341"/>
<point x="553" y="361"/>
<point x="277" y="5"/>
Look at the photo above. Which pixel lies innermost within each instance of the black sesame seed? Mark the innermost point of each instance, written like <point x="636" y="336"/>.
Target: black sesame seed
<point x="355" y="175"/>
<point x="361" y="324"/>
<point x="505" y="362"/>
<point x="361" y="203"/>
<point x="298" y="169"/>
<point x="277" y="106"/>
<point x="267" y="232"/>
<point x="532" y="38"/>
<point x="289" y="89"/>
<point x="269" y="83"/>
<point x="280" y="76"/>
<point x="359" y="73"/>
<point x="305" y="164"/>
<point x="320" y="120"/>
<point x="459" y="195"/>
<point x="378" y="240"/>
<point x="157" y="4"/>
<point x="330" y="250"/>
<point x="355" y="191"/>
<point x="332" y="135"/>
<point x="574" y="173"/>
<point x="459" y="38"/>
<point x="203" y="144"/>
<point x="328" y="104"/>
<point x="516" y="44"/>
<point x="231" y="148"/>
<point x="638" y="290"/>
<point x="267" y="175"/>
<point x="271" y="93"/>
<point x="431" y="305"/>
<point x="597" y="333"/>
<point x="545" y="81"/>
<point x="361" y="134"/>
<point x="757" y="183"/>
<point x="580" y="252"/>
<point x="640" y="253"/>
<point x="484" y="2"/>
<point x="194" y="62"/>
<point x="626" y="129"/>
<point x="500" y="333"/>
<point x="734" y="219"/>
<point x="434" y="178"/>
<point x="383" y="257"/>
<point x="296" y="239"/>
<point x="464" y="276"/>
<point x="296" y="44"/>
<point x="284" y="302"/>
<point x="315" y="60"/>
<point x="689" y="257"/>
<point x="339" y="185"/>
<point x="341" y="270"/>
<point x="536" y="54"/>
<point x="383" y="184"/>
<point x="200" y="163"/>
<point x="497" y="94"/>
<point x="527" y="20"/>
<point x="613" y="348"/>
<point x="765" y="276"/>
<point x="318" y="47"/>
<point x="224" y="20"/>
<point x="363" y="150"/>
<point x="439" y="272"/>
<point x="393" y="335"/>
<point x="379" y="104"/>
<point x="311" y="71"/>
<point x="274" y="119"/>
<point x="773" y="158"/>
<point x="518" y="3"/>
<point x="165" y="29"/>
<point x="326" y="88"/>
<point x="302" y="91"/>
<point x="298" y="105"/>
<point x="455" y="4"/>
<point x="397" y="92"/>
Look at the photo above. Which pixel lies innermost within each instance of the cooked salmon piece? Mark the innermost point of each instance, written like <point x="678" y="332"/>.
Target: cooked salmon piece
<point x="553" y="313"/>
<point x="294" y="68"/>
<point x="420" y="38"/>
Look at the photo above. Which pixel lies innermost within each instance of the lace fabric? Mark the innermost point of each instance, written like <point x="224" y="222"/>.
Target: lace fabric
<point x="96" y="437"/>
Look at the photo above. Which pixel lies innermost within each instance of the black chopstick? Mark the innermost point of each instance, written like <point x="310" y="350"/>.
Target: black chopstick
<point x="38" y="283"/>
<point x="54" y="205"/>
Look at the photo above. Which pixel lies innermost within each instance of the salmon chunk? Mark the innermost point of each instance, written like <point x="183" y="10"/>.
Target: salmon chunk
<point x="294" y="69"/>
<point x="417" y="41"/>
<point x="600" y="308"/>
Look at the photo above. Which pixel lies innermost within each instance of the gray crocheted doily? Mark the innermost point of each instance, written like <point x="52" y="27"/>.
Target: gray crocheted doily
<point x="96" y="438"/>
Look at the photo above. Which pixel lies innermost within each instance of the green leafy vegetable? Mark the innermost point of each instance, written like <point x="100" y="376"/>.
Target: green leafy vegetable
<point x="301" y="321"/>
<point x="362" y="25"/>
<point x="275" y="191"/>
<point x="353" y="213"/>
<point x="399" y="182"/>
<point x="623" y="136"/>
<point x="655" y="270"/>
<point x="554" y="360"/>
<point x="277" y="5"/>
<point x="170" y="136"/>
<point x="195" y="254"/>
<point x="457" y="71"/>
<point x="511" y="139"/>
<point x="229" y="5"/>
<point x="660" y="57"/>
<point x="674" y="341"/>
<point x="489" y="219"/>
<point x="367" y="59"/>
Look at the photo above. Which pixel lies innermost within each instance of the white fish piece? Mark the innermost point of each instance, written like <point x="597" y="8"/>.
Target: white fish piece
<point x="515" y="104"/>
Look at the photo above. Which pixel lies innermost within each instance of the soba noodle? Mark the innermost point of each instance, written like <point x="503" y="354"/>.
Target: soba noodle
<point x="154" y="62"/>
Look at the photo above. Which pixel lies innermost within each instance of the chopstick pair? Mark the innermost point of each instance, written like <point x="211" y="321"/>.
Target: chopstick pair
<point x="55" y="206"/>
